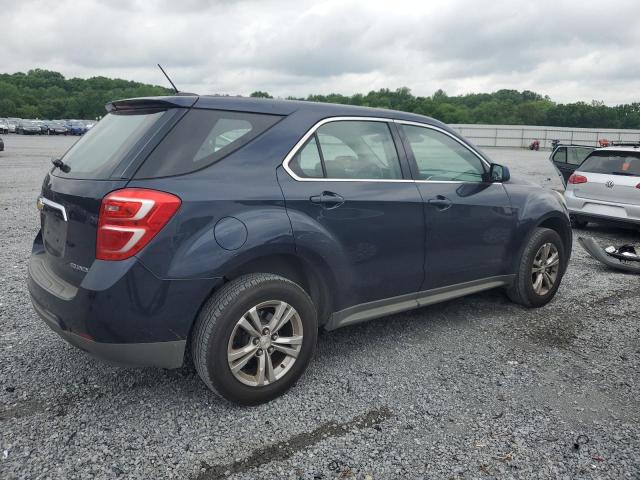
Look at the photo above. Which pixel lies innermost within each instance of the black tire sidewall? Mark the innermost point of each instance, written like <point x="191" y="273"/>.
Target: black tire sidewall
<point x="220" y="374"/>
<point x="542" y="237"/>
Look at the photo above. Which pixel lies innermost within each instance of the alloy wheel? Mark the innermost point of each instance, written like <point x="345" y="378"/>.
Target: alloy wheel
<point x="265" y="343"/>
<point x="544" y="272"/>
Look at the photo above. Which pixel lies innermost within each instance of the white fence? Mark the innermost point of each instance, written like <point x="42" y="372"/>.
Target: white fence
<point x="521" y="136"/>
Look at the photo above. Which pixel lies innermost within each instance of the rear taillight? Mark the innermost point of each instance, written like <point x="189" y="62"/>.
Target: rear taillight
<point x="638" y="185"/>
<point x="130" y="218"/>
<point x="574" y="179"/>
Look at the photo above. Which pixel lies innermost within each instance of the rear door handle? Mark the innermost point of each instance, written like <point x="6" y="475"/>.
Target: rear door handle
<point x="328" y="200"/>
<point x="440" y="202"/>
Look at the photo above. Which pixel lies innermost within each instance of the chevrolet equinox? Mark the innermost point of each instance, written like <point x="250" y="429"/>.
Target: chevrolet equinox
<point x="226" y="231"/>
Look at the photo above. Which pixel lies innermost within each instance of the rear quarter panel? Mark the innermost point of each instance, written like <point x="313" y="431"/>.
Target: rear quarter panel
<point x="232" y="211"/>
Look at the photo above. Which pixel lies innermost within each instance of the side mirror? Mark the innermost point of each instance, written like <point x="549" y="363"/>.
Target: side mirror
<point x="499" y="173"/>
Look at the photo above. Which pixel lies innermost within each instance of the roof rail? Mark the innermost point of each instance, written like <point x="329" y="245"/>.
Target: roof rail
<point x="624" y="144"/>
<point x="560" y="144"/>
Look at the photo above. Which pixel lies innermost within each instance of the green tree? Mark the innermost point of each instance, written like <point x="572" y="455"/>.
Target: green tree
<point x="259" y="94"/>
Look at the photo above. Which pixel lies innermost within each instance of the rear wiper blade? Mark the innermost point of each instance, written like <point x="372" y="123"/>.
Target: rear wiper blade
<point x="60" y="164"/>
<point x="626" y="174"/>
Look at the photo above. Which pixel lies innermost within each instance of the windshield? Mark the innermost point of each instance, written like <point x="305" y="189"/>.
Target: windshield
<point x="613" y="163"/>
<point x="101" y="149"/>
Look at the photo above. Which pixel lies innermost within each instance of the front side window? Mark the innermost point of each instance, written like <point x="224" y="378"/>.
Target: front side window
<point x="441" y="158"/>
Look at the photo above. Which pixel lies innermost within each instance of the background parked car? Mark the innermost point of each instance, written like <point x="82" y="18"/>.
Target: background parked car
<point x="76" y="127"/>
<point x="4" y="126"/>
<point x="13" y="125"/>
<point x="28" y="127"/>
<point x="566" y="158"/>
<point x="57" y="127"/>
<point x="1" y="145"/>
<point x="42" y="125"/>
<point x="606" y="187"/>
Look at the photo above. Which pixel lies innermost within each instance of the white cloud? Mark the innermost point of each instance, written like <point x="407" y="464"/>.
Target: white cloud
<point x="570" y="50"/>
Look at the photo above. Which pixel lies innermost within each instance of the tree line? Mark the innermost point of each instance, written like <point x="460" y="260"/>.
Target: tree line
<point x="504" y="107"/>
<point x="46" y="94"/>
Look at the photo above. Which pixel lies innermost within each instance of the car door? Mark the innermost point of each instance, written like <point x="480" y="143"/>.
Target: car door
<point x="353" y="206"/>
<point x="559" y="160"/>
<point x="567" y="158"/>
<point x="469" y="220"/>
<point x="576" y="155"/>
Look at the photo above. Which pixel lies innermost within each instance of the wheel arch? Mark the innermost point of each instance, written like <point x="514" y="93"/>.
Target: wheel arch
<point x="562" y="226"/>
<point x="554" y="221"/>
<point x="294" y="268"/>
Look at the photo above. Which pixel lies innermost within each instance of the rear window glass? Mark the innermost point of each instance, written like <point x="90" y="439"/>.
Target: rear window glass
<point x="613" y="163"/>
<point x="101" y="149"/>
<point x="201" y="138"/>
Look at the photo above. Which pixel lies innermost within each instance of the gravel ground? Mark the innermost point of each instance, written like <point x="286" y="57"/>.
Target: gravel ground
<point x="472" y="388"/>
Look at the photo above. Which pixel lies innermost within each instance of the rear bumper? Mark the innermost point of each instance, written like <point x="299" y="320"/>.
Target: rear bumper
<point x="599" y="209"/>
<point x="120" y="312"/>
<point x="604" y="218"/>
<point x="156" y="354"/>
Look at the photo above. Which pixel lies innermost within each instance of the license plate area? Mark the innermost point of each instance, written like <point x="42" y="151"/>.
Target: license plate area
<point x="54" y="232"/>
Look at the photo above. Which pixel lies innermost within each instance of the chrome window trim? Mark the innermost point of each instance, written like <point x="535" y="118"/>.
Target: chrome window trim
<point x="52" y="204"/>
<point x="314" y="128"/>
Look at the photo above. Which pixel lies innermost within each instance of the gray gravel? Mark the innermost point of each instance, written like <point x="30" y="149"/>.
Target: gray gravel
<point x="473" y="388"/>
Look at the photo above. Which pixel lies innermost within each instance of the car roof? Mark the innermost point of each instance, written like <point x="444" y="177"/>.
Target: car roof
<point x="270" y="106"/>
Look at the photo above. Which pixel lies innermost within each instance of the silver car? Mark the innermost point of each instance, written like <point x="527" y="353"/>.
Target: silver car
<point x="606" y="187"/>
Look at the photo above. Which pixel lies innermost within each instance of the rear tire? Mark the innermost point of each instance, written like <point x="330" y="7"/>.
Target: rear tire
<point x="540" y="271"/>
<point x="236" y="319"/>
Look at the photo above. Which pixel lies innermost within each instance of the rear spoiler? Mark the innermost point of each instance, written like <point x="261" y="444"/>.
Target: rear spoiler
<point x="179" y="101"/>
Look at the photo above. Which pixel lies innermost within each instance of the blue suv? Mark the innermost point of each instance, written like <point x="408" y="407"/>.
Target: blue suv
<point x="225" y="231"/>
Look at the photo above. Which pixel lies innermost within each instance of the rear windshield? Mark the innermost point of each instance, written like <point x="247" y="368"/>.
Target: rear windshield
<point x="613" y="163"/>
<point x="101" y="149"/>
<point x="201" y="138"/>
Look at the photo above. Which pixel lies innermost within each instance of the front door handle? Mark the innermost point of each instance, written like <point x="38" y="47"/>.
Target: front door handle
<point x="440" y="202"/>
<point x="328" y="200"/>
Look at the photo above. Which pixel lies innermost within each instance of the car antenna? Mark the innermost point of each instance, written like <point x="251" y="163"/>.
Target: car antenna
<point x="165" y="74"/>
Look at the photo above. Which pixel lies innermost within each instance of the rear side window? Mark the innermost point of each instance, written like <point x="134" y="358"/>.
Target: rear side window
<point x="201" y="138"/>
<point x="613" y="163"/>
<point x="102" y="148"/>
<point x="307" y="162"/>
<point x="575" y="156"/>
<point x="349" y="149"/>
<point x="560" y="156"/>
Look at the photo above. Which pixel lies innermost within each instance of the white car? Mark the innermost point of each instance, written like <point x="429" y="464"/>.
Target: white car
<point x="606" y="187"/>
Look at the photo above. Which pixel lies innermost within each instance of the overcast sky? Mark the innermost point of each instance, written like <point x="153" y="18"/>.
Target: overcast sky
<point x="570" y="50"/>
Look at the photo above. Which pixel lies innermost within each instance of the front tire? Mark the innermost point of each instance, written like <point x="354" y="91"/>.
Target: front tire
<point x="540" y="271"/>
<point x="254" y="338"/>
